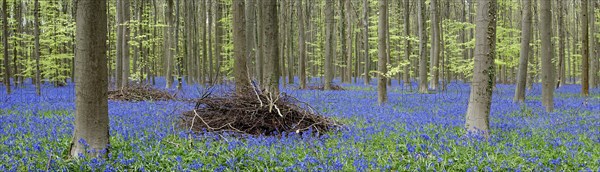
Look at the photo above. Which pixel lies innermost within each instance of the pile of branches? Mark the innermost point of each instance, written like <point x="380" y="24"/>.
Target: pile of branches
<point x="322" y="87"/>
<point x="255" y="114"/>
<point x="139" y="92"/>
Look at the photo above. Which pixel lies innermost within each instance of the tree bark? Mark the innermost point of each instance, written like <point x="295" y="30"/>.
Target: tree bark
<point x="435" y="45"/>
<point x="218" y="40"/>
<point x="585" y="51"/>
<point x="271" y="33"/>
<point x="382" y="52"/>
<point x="169" y="43"/>
<point x="36" y="51"/>
<point x="91" y="101"/>
<point x="525" y="48"/>
<point x="407" y="48"/>
<point x="422" y="45"/>
<point x="367" y="67"/>
<point x="125" y="43"/>
<point x="250" y="35"/>
<point x="547" y="53"/>
<point x="242" y="82"/>
<point x="561" y="45"/>
<point x="349" y="33"/>
<point x="329" y="52"/>
<point x="301" y="46"/>
<point x="480" y="100"/>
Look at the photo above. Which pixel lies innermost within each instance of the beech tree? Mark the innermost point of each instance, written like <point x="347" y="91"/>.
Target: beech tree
<point x="242" y="82"/>
<point x="480" y="99"/>
<point x="382" y="52"/>
<point x="546" y="51"/>
<point x="525" y="48"/>
<point x="91" y="137"/>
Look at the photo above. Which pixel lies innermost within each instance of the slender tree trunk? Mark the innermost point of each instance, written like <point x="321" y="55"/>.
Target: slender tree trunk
<point x="593" y="46"/>
<point x="5" y="43"/>
<point x="422" y="45"/>
<point x="36" y="51"/>
<point x="218" y="39"/>
<point x="204" y="26"/>
<point x="561" y="44"/>
<point x="329" y="43"/>
<point x="250" y="35"/>
<point x="585" y="51"/>
<point x="435" y="45"/>
<point x="547" y="55"/>
<point x="260" y="58"/>
<point x="242" y="82"/>
<point x="480" y="100"/>
<point x="176" y="45"/>
<point x="301" y="46"/>
<point x="382" y="52"/>
<point x="271" y="33"/>
<point x="366" y="41"/>
<point x="349" y="33"/>
<point x="169" y="42"/>
<point x="525" y="48"/>
<point x="407" y="48"/>
<point x="125" y="44"/>
<point x="91" y="101"/>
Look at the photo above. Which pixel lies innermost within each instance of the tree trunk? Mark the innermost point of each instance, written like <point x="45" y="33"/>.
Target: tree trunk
<point x="169" y="42"/>
<point x="561" y="44"/>
<point x="435" y="45"/>
<point x="242" y="82"/>
<point x="366" y="41"/>
<point x="301" y="46"/>
<point x="593" y="46"/>
<point x="329" y="43"/>
<point x="422" y="45"/>
<point x="408" y="48"/>
<point x="125" y="44"/>
<point x="585" y="51"/>
<point x="204" y="26"/>
<point x="36" y="51"/>
<point x="5" y="43"/>
<point x="547" y="55"/>
<point x="91" y="137"/>
<point x="349" y="33"/>
<point x="382" y="52"/>
<point x="260" y="57"/>
<point x="525" y="48"/>
<point x="218" y="40"/>
<point x="480" y="100"/>
<point x="271" y="33"/>
<point x="250" y="35"/>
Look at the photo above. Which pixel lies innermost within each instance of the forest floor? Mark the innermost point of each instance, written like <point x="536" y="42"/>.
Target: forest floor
<point x="413" y="132"/>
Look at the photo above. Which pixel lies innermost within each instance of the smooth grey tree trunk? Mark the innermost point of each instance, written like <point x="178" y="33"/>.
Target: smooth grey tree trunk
<point x="271" y="33"/>
<point x="169" y="29"/>
<point x="561" y="45"/>
<point x="91" y="90"/>
<point x="435" y="45"/>
<point x="480" y="99"/>
<point x="126" y="32"/>
<point x="525" y="48"/>
<point x="329" y="43"/>
<point x="422" y="45"/>
<point x="367" y="67"/>
<point x="36" y="51"/>
<point x="242" y="82"/>
<point x="547" y="55"/>
<point x="301" y="46"/>
<point x="382" y="52"/>
<point x="407" y="48"/>
<point x="250" y="35"/>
